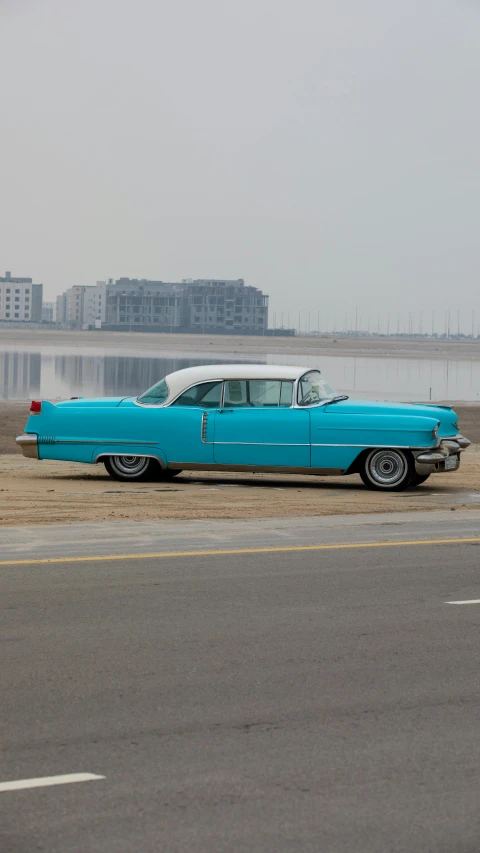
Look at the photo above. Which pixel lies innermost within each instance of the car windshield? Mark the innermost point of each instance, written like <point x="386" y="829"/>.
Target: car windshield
<point x="313" y="388"/>
<point x="156" y="394"/>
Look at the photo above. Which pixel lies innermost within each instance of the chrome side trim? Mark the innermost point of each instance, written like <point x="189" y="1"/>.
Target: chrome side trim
<point x="29" y="444"/>
<point x="119" y="441"/>
<point x="260" y="443"/>
<point x="374" y="446"/>
<point x="255" y="469"/>
<point x="203" y="429"/>
<point x="160" y="461"/>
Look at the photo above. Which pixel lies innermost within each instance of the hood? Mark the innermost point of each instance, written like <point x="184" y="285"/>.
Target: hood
<point x="446" y="416"/>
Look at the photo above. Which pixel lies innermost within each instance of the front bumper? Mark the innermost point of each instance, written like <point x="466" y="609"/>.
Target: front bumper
<point x="440" y="458"/>
<point x="29" y="444"/>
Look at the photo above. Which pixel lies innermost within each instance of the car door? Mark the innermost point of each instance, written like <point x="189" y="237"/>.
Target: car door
<point x="181" y="428"/>
<point x="258" y="426"/>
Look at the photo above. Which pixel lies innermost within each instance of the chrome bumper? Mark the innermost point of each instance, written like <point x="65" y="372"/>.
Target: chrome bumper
<point x="433" y="461"/>
<point x="29" y="445"/>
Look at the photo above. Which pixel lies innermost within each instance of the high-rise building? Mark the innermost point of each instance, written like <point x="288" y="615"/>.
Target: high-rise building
<point x="20" y="299"/>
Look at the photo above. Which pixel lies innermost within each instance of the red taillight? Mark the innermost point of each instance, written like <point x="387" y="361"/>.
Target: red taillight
<point x="36" y="407"/>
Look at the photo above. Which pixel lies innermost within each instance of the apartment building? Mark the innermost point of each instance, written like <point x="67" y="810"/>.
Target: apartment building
<point x="48" y="312"/>
<point x="20" y="299"/>
<point x="192" y="305"/>
<point x="227" y="306"/>
<point x="82" y="305"/>
<point x="139" y="303"/>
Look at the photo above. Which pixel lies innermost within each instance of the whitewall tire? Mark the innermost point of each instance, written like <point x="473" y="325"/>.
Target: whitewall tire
<point x="388" y="470"/>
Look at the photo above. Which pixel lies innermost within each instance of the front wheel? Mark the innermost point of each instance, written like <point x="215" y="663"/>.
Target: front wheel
<point x="131" y="468"/>
<point x="388" y="470"/>
<point x="418" y="479"/>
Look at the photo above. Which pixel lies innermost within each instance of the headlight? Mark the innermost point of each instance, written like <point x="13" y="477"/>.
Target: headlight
<point x="435" y="432"/>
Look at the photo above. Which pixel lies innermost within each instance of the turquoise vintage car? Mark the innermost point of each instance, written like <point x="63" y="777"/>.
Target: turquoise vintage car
<point x="248" y="418"/>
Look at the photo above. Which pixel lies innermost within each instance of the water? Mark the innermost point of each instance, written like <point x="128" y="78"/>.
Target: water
<point x="396" y="378"/>
<point x="55" y="373"/>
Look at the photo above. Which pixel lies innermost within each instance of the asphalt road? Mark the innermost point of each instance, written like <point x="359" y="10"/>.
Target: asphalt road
<point x="272" y="701"/>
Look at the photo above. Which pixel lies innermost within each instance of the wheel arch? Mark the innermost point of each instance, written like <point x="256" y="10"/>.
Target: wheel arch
<point x="100" y="454"/>
<point x="354" y="467"/>
<point x="359" y="460"/>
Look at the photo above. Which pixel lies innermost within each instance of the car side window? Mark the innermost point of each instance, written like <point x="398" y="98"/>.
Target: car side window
<point x="286" y="392"/>
<point x="257" y="393"/>
<point x="235" y="393"/>
<point x="207" y="395"/>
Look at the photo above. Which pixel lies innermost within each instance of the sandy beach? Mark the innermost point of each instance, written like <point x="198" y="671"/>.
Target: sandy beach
<point x="46" y="492"/>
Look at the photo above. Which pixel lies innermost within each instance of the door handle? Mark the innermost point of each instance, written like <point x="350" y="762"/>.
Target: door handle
<point x="225" y="412"/>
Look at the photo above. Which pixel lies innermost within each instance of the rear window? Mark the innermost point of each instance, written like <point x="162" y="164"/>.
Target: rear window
<point x="155" y="395"/>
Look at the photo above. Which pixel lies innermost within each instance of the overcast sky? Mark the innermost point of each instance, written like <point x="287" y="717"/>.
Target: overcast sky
<point x="327" y="151"/>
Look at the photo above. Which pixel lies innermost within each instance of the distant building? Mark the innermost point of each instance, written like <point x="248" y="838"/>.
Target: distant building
<point x="82" y="305"/>
<point x="61" y="308"/>
<point x="48" y="312"/>
<point x="200" y="305"/>
<point x="20" y="299"/>
<point x="227" y="306"/>
<point x="137" y="303"/>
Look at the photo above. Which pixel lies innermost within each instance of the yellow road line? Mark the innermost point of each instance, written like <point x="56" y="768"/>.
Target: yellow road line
<point x="228" y="551"/>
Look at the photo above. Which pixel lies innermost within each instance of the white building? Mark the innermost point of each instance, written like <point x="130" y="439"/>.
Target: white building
<point x="82" y="305"/>
<point x="20" y="299"/>
<point x="48" y="312"/>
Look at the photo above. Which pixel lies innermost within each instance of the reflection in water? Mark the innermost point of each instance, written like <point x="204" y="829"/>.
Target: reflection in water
<point x="112" y="375"/>
<point x="24" y="375"/>
<point x="53" y="375"/>
<point x="19" y="374"/>
<point x="396" y="378"/>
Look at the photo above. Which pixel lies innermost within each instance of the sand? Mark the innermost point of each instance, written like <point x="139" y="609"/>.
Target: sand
<point x="45" y="492"/>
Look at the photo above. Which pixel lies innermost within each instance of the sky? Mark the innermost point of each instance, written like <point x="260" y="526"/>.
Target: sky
<point x="326" y="151"/>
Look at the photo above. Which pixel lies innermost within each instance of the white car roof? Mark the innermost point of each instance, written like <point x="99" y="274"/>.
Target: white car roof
<point x="182" y="379"/>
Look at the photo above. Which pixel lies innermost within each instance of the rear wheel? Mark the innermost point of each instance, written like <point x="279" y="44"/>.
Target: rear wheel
<point x="131" y="468"/>
<point x="388" y="470"/>
<point x="167" y="473"/>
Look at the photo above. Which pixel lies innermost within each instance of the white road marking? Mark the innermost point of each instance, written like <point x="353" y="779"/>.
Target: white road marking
<point x="47" y="781"/>
<point x="470" y="601"/>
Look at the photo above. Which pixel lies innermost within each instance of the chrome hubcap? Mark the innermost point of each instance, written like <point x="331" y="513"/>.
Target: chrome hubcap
<point x="386" y="467"/>
<point x="129" y="466"/>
